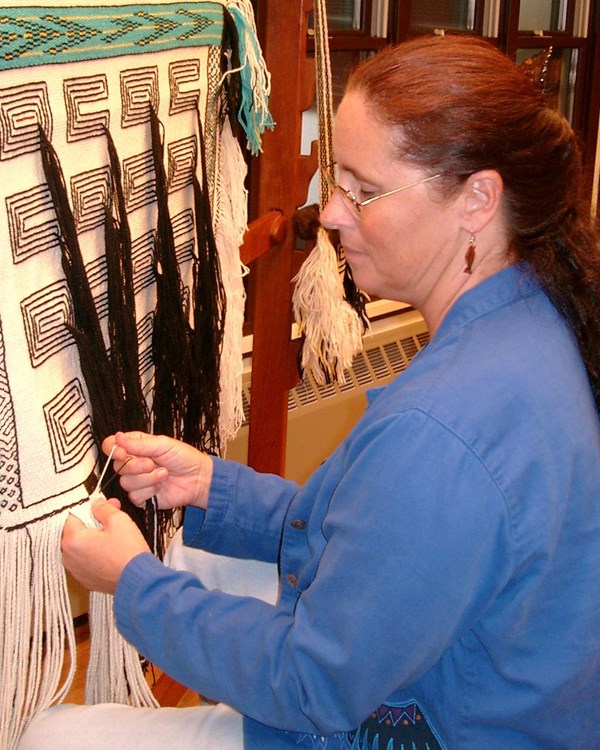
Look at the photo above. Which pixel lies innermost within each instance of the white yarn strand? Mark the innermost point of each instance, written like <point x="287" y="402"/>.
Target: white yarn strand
<point x="255" y="77"/>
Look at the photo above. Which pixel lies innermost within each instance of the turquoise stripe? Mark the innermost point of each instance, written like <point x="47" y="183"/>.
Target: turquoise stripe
<point x="39" y="36"/>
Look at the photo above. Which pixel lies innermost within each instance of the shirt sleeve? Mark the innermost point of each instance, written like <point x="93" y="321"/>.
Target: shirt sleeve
<point x="417" y="543"/>
<point x="245" y="513"/>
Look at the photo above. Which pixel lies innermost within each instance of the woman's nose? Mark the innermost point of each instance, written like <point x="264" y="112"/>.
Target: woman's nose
<point x="334" y="215"/>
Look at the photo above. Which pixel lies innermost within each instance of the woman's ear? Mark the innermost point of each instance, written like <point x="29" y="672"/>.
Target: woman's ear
<point x="482" y="194"/>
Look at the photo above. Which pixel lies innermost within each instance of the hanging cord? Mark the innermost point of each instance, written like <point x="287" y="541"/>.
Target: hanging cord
<point x="324" y="94"/>
<point x="352" y="294"/>
<point x="331" y="327"/>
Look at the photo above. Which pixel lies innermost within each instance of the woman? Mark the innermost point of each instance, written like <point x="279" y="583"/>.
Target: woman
<point x="440" y="573"/>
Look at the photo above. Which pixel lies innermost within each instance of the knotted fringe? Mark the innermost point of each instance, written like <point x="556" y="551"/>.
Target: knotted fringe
<point x="231" y="223"/>
<point x="331" y="328"/>
<point x="114" y="673"/>
<point x="35" y="625"/>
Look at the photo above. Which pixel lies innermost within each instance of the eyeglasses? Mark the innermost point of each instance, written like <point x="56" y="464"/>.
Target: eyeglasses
<point x="355" y="206"/>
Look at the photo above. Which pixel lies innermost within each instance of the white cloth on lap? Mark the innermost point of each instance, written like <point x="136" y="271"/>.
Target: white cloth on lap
<point x="239" y="577"/>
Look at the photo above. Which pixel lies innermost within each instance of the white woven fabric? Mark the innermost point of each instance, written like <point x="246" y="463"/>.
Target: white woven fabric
<point x="74" y="71"/>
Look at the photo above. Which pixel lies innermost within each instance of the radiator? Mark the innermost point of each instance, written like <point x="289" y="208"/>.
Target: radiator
<point x="319" y="417"/>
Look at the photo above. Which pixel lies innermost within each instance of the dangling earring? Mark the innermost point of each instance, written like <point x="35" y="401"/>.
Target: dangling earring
<point x="470" y="254"/>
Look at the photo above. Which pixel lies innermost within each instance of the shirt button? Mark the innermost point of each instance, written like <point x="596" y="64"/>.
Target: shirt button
<point x="298" y="524"/>
<point x="292" y="579"/>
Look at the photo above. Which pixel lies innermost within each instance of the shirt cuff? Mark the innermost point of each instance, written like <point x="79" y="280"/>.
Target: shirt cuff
<point x="201" y="527"/>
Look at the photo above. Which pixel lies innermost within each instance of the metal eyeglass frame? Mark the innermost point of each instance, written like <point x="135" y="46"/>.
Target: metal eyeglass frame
<point x="356" y="206"/>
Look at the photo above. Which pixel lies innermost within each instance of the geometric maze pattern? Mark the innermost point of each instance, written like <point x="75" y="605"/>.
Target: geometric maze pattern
<point x="32" y="223"/>
<point x="22" y="110"/>
<point x="139" y="181"/>
<point x="139" y="92"/>
<point x="69" y="426"/>
<point x="79" y="95"/>
<point x="46" y="314"/>
<point x="74" y="104"/>
<point x="90" y="194"/>
<point x="181" y="74"/>
<point x="181" y="160"/>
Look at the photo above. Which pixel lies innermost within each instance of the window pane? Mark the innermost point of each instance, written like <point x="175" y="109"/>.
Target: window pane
<point x="555" y="71"/>
<point x="542" y="15"/>
<point x="343" y="14"/>
<point x="456" y="15"/>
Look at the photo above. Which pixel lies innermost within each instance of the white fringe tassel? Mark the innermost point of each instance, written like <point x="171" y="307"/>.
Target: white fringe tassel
<point x="35" y="625"/>
<point x="231" y="224"/>
<point x="36" y="631"/>
<point x="114" y="673"/>
<point x="331" y="327"/>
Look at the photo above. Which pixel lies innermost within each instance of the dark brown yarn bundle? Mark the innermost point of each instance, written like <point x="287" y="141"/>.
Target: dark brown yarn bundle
<point x="111" y="377"/>
<point x="171" y="353"/>
<point x="122" y="327"/>
<point x="124" y="347"/>
<point x="186" y="355"/>
<point x="108" y="405"/>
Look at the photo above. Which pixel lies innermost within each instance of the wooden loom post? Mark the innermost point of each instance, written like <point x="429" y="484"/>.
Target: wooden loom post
<point x="280" y="180"/>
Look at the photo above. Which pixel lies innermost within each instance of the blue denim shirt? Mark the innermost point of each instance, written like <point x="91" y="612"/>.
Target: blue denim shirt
<point x="440" y="572"/>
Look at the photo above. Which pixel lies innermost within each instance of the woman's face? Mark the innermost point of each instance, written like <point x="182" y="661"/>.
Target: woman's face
<point x="401" y="246"/>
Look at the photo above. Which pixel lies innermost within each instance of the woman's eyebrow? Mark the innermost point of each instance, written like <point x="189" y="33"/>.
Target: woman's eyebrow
<point x="356" y="174"/>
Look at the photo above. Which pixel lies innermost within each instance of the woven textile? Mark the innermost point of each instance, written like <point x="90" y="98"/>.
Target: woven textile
<point x="75" y="74"/>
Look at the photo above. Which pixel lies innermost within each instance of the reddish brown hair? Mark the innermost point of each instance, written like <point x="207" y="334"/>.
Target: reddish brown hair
<point x="460" y="105"/>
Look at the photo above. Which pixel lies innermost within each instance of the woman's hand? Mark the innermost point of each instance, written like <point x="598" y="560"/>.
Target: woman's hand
<point x="96" y="557"/>
<point x="162" y="467"/>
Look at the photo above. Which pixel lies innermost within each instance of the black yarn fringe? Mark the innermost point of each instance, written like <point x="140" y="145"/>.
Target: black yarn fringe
<point x="112" y="380"/>
<point x="171" y="353"/>
<point x="230" y="60"/>
<point x="188" y="326"/>
<point x="85" y="326"/>
<point x="124" y="345"/>
<point x="355" y="297"/>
